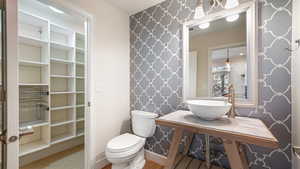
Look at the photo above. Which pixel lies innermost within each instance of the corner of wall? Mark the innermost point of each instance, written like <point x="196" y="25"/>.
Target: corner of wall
<point x="101" y="161"/>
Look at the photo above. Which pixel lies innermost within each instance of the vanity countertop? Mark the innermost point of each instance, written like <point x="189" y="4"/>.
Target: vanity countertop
<point x="241" y="129"/>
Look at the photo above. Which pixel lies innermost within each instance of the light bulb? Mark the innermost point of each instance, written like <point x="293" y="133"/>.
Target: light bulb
<point x="199" y="12"/>
<point x="231" y="4"/>
<point x="232" y="18"/>
<point x="204" y="25"/>
<point x="228" y="67"/>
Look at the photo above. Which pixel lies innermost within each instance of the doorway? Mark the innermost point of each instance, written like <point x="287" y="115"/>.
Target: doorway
<point x="43" y="85"/>
<point x="53" y="93"/>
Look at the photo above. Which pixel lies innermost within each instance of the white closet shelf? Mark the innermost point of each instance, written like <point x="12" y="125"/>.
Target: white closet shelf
<point x="32" y="63"/>
<point x="61" y="29"/>
<point x="62" y="138"/>
<point x="33" y="147"/>
<point x="81" y="105"/>
<point x="61" y="107"/>
<point x="33" y="84"/>
<point x="80" y="92"/>
<point x="80" y="132"/>
<point x="40" y="21"/>
<point x="62" y="123"/>
<point x="55" y="60"/>
<point x="79" y="77"/>
<point x="80" y="119"/>
<point x="81" y="50"/>
<point x="61" y="46"/>
<point x="80" y="63"/>
<point x="37" y="123"/>
<point x="32" y="41"/>
<point x="80" y="33"/>
<point x="67" y="92"/>
<point x="61" y="76"/>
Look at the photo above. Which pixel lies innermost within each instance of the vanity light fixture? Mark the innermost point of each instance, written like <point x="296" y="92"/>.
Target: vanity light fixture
<point x="199" y="11"/>
<point x="231" y="4"/>
<point x="56" y="10"/>
<point x="241" y="54"/>
<point x="232" y="18"/>
<point x="204" y="25"/>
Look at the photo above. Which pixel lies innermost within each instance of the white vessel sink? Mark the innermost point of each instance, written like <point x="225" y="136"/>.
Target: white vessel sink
<point x="208" y="109"/>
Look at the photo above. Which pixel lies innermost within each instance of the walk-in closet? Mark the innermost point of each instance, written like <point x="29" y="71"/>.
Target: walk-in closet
<point x="52" y="82"/>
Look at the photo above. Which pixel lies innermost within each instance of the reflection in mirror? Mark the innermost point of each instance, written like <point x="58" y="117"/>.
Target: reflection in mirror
<point x="228" y="66"/>
<point x="218" y="57"/>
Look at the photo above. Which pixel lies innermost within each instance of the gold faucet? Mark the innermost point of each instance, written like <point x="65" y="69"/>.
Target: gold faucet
<point x="231" y="99"/>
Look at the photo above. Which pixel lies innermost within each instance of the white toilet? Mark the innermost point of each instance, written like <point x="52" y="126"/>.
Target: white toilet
<point x="127" y="150"/>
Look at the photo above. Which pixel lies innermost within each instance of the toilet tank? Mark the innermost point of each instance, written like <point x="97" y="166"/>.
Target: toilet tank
<point x="143" y="123"/>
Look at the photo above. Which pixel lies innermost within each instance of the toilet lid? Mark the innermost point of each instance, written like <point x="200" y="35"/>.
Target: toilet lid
<point x="125" y="142"/>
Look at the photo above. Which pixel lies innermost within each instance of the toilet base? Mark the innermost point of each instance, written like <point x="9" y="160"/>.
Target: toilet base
<point x="138" y="162"/>
<point x="120" y="166"/>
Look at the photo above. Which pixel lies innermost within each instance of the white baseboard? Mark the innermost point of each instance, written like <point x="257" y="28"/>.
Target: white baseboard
<point x="101" y="161"/>
<point x="149" y="155"/>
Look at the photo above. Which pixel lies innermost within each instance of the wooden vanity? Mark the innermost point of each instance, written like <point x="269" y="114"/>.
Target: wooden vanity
<point x="233" y="132"/>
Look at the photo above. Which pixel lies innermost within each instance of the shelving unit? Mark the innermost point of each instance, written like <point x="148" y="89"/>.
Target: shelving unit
<point x="62" y="133"/>
<point x="80" y="128"/>
<point x="33" y="26"/>
<point x="80" y="113"/>
<point x="38" y="141"/>
<point x="62" y="115"/>
<point x="51" y="83"/>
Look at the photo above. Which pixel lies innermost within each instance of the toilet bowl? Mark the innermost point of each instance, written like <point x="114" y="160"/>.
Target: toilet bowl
<point x="127" y="150"/>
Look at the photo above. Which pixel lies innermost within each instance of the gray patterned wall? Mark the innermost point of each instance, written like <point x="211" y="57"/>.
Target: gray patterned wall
<point x="156" y="75"/>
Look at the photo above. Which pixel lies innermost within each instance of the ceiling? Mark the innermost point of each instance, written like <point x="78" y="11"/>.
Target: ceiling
<point x="41" y="7"/>
<point x="134" y="6"/>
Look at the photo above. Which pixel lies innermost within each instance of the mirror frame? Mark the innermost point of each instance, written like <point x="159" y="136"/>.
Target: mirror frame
<point x="252" y="50"/>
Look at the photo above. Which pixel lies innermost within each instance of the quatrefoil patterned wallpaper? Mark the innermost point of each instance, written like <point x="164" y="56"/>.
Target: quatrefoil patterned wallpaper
<point x="157" y="75"/>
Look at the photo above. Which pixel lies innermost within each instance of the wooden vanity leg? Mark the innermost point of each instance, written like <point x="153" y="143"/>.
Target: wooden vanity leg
<point x="173" y="148"/>
<point x="236" y="156"/>
<point x="188" y="143"/>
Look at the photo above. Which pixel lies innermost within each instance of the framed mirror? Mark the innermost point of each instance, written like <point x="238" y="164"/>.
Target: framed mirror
<point x="220" y="50"/>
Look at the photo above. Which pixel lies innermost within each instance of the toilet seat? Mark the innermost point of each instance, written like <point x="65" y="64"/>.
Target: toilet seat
<point x="124" y="145"/>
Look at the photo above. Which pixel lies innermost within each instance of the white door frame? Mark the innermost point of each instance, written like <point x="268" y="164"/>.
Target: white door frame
<point x="295" y="80"/>
<point x="11" y="84"/>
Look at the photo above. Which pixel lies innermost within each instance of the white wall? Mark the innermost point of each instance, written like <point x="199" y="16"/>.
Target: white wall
<point x="109" y="71"/>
